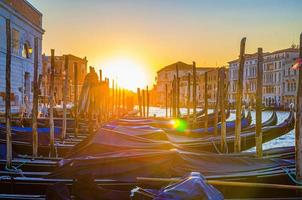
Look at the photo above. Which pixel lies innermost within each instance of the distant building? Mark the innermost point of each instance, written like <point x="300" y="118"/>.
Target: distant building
<point x="212" y="81"/>
<point x="166" y="75"/>
<point x="26" y="24"/>
<point x="279" y="80"/>
<point x="59" y="76"/>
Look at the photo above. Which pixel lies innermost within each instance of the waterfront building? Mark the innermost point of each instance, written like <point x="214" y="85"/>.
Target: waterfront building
<point x="165" y="76"/>
<point x="212" y="82"/>
<point x="26" y="25"/>
<point x="279" y="80"/>
<point x="59" y="76"/>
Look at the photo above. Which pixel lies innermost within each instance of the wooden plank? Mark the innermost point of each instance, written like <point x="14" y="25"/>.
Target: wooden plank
<point x="298" y="123"/>
<point x="222" y="109"/>
<point x="35" y="101"/>
<point x="8" y="96"/>
<point x="259" y="104"/>
<point x="51" y="105"/>
<point x="237" y="143"/>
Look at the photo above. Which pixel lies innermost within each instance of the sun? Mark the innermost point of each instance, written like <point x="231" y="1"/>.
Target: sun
<point x="128" y="73"/>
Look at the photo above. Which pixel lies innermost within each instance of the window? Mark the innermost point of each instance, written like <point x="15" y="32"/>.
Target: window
<point x="15" y="41"/>
<point x="27" y="50"/>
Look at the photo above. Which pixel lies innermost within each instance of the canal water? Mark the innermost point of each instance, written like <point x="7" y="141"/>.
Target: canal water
<point x="285" y="140"/>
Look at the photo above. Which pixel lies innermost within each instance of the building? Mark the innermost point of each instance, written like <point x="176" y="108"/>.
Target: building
<point x="212" y="81"/>
<point x="249" y="79"/>
<point x="59" y="76"/>
<point x="26" y="25"/>
<point x="279" y="80"/>
<point x="166" y="75"/>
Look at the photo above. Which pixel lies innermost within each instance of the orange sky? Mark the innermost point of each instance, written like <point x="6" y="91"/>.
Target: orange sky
<point x="151" y="34"/>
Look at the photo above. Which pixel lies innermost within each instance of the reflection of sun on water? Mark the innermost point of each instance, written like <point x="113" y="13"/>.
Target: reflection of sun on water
<point x="128" y="73"/>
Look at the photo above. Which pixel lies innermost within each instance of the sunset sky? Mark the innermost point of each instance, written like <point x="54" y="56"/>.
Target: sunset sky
<point x="132" y="39"/>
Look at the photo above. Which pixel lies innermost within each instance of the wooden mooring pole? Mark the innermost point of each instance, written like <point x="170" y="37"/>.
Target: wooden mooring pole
<point x="51" y="104"/>
<point x="177" y="92"/>
<point x="188" y="95"/>
<point x="298" y="123"/>
<point x="174" y="96"/>
<point x="206" y="101"/>
<point x="112" y="99"/>
<point x="259" y="104"/>
<point x="75" y="99"/>
<point x="216" y="112"/>
<point x="148" y="99"/>
<point x="8" y="116"/>
<point x="166" y="99"/>
<point x="139" y="102"/>
<point x="35" y="101"/>
<point x="65" y="92"/>
<point x="222" y="110"/>
<point x="194" y="92"/>
<point x="144" y="103"/>
<point x="237" y="142"/>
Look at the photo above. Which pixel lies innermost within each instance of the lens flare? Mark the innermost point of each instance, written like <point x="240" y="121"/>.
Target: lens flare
<point x="179" y="124"/>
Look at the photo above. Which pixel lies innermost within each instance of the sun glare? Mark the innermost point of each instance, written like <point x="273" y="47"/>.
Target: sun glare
<point x="128" y="73"/>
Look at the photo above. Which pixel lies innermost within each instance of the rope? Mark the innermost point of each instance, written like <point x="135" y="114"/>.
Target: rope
<point x="15" y="170"/>
<point x="291" y="176"/>
<point x="217" y="150"/>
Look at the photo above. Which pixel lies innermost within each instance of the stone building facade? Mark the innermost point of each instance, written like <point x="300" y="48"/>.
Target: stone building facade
<point x="279" y="80"/>
<point x="26" y="24"/>
<point x="166" y="75"/>
<point x="59" y="76"/>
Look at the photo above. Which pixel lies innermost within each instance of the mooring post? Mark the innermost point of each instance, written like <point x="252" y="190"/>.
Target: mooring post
<point x="177" y="92"/>
<point x="166" y="99"/>
<point x="119" y="102"/>
<point x="112" y="99"/>
<point x="216" y="112"/>
<point x="298" y="123"/>
<point x="147" y="96"/>
<point x="51" y="104"/>
<point x="144" y="103"/>
<point x="171" y="101"/>
<point x="65" y="92"/>
<point x="35" y="101"/>
<point x="8" y="116"/>
<point x="222" y="110"/>
<point x="116" y="99"/>
<point x="123" y="100"/>
<point x="194" y="92"/>
<point x="206" y="101"/>
<point x="188" y="95"/>
<point x="259" y="104"/>
<point x="174" y="95"/>
<point x="237" y="142"/>
<point x="139" y="102"/>
<point x="75" y="99"/>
